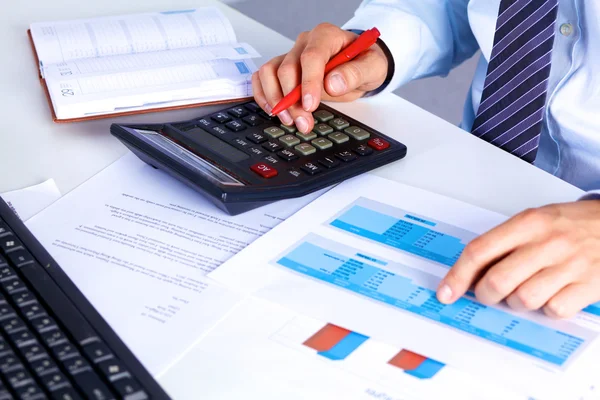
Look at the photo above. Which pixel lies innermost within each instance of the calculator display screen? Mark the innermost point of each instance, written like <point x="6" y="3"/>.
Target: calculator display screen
<point x="191" y="160"/>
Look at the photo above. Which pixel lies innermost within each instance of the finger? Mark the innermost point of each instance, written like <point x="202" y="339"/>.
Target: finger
<point x="524" y="228"/>
<point x="508" y="274"/>
<point x="257" y="90"/>
<point x="572" y="299"/>
<point x="366" y="72"/>
<point x="539" y="289"/>
<point x="270" y="84"/>
<point x="324" y="42"/>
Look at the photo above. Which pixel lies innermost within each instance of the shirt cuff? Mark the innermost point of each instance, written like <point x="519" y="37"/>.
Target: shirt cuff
<point x="591" y="195"/>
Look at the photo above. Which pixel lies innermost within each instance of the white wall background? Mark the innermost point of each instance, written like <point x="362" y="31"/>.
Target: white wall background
<point x="441" y="96"/>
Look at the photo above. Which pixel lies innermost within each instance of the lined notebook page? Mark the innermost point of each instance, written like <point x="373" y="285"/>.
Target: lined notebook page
<point x="70" y="40"/>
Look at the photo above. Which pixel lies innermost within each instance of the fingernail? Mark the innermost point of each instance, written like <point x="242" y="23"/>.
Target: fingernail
<point x="302" y="124"/>
<point x="444" y="294"/>
<point x="307" y="103"/>
<point x="285" y="117"/>
<point x="268" y="108"/>
<point x="337" y="83"/>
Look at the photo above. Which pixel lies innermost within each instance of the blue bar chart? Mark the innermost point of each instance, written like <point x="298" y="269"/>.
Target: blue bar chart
<point x="403" y="230"/>
<point x="342" y="266"/>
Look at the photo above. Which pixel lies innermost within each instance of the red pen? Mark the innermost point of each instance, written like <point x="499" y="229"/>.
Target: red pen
<point x="363" y="42"/>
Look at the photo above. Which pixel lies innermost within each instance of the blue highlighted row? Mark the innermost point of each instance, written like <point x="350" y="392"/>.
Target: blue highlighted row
<point x="465" y="315"/>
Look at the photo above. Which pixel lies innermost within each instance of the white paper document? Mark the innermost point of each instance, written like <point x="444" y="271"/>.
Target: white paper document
<point x="268" y="352"/>
<point x="29" y="201"/>
<point x="368" y="256"/>
<point x="139" y="244"/>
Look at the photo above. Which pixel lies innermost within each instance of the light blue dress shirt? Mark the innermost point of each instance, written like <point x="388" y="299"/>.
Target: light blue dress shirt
<point x="430" y="37"/>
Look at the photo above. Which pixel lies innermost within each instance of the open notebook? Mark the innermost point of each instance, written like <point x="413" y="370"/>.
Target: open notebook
<point x="94" y="68"/>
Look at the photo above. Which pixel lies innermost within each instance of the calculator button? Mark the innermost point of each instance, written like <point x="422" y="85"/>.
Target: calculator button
<point x="338" y="138"/>
<point x="378" y="144"/>
<point x="357" y="133"/>
<point x="323" y="115"/>
<point x="272" y="160"/>
<point x="287" y="155"/>
<point x="221" y="118"/>
<point x="329" y="162"/>
<point x="236" y="126"/>
<point x="241" y="143"/>
<point x="311" y="168"/>
<point x="238" y="112"/>
<point x="253" y="120"/>
<point x="305" y="149"/>
<point x="306" y="136"/>
<point x="272" y="146"/>
<point x="274" y="132"/>
<point x="256" y="152"/>
<point x="363" y="150"/>
<point x="10" y="242"/>
<point x="219" y="131"/>
<point x="289" y="129"/>
<point x="252" y="106"/>
<point x="289" y="140"/>
<point x="323" y="129"/>
<point x="339" y="123"/>
<point x="295" y="172"/>
<point x="322" y="143"/>
<point x="206" y="124"/>
<point x="257" y="138"/>
<point x="264" y="170"/>
<point x="266" y="116"/>
<point x="346" y="156"/>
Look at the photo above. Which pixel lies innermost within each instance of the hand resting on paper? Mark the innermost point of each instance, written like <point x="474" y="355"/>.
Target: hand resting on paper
<point x="546" y="258"/>
<point x="305" y="64"/>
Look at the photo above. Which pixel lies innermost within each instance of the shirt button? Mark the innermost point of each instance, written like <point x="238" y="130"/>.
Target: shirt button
<point x="566" y="29"/>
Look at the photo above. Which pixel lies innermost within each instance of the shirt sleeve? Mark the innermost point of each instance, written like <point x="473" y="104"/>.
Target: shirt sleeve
<point x="591" y="195"/>
<point x="424" y="37"/>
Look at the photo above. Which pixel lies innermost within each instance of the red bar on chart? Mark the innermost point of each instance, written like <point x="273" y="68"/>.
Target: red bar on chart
<point x="407" y="360"/>
<point x="326" y="338"/>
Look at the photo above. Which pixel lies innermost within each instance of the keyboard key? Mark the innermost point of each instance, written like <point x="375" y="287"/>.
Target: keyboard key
<point x="363" y="150"/>
<point x="6" y="311"/>
<point x="378" y="144"/>
<point x="113" y="369"/>
<point x="257" y="138"/>
<point x="9" y="243"/>
<point x="339" y="123"/>
<point x="5" y="348"/>
<point x="235" y="126"/>
<point x="12" y="325"/>
<point x="346" y="156"/>
<point x="57" y="301"/>
<point x="3" y="261"/>
<point x="305" y="149"/>
<point x="54" y="381"/>
<point x="253" y="120"/>
<point x="33" y="352"/>
<point x="311" y="168"/>
<point x="241" y="144"/>
<point x="323" y="129"/>
<point x="67" y="393"/>
<point x="76" y="365"/>
<point x="12" y="285"/>
<point x="221" y="118"/>
<point x="218" y="131"/>
<point x="272" y="146"/>
<point x="23" y="298"/>
<point x="4" y="229"/>
<point x="357" y="133"/>
<point x="329" y="162"/>
<point x="20" y="257"/>
<point x="64" y="351"/>
<point x="205" y="124"/>
<point x="129" y="389"/>
<point x="252" y="107"/>
<point x="295" y="172"/>
<point x="267" y="116"/>
<point x="10" y="362"/>
<point x="264" y="170"/>
<point x="338" y="138"/>
<point x="92" y="387"/>
<point x="30" y="391"/>
<point x="308" y="136"/>
<point x="289" y="140"/>
<point x="53" y="338"/>
<point x="323" y="115"/>
<point x="322" y="143"/>
<point x="44" y="366"/>
<point x="4" y="393"/>
<point x="238" y="112"/>
<point x="271" y="160"/>
<point x="289" y="129"/>
<point x="6" y="271"/>
<point x="33" y="310"/>
<point x="274" y="132"/>
<point x="23" y="338"/>
<point x="43" y="324"/>
<point x="256" y="152"/>
<point x="18" y="378"/>
<point x="287" y="155"/>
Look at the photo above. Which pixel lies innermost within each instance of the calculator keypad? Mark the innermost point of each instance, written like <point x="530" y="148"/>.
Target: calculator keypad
<point x="277" y="150"/>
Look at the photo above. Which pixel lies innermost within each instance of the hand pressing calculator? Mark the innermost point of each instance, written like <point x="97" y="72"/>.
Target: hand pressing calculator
<point x="241" y="158"/>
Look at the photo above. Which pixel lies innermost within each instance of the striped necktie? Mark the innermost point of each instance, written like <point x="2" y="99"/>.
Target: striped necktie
<point x="513" y="101"/>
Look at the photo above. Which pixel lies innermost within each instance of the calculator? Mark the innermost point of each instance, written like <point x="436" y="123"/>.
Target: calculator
<point x="241" y="158"/>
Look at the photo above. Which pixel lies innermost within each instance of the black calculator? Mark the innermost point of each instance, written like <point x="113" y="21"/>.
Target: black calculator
<point x="241" y="158"/>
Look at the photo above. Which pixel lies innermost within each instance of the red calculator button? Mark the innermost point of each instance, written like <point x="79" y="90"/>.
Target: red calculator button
<point x="264" y="170"/>
<point x="378" y="144"/>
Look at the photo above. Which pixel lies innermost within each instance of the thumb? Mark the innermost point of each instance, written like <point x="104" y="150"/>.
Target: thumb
<point x="366" y="72"/>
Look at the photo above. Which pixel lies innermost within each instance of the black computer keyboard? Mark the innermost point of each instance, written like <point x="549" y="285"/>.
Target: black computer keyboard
<point x="53" y="343"/>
